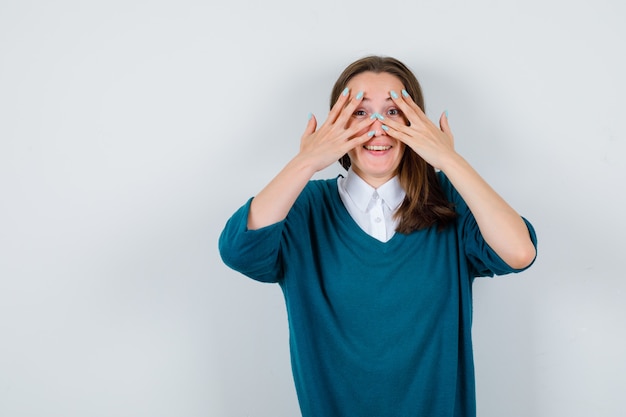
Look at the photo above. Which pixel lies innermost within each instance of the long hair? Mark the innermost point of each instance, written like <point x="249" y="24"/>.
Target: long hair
<point x="425" y="204"/>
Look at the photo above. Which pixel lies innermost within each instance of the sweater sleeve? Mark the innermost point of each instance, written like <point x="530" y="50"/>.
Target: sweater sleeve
<point x="482" y="259"/>
<point x="254" y="253"/>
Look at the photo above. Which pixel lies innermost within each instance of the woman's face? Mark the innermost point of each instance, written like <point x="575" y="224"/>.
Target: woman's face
<point x="378" y="159"/>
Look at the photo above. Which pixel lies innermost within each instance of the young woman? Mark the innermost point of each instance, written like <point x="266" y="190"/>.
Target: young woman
<point x="377" y="267"/>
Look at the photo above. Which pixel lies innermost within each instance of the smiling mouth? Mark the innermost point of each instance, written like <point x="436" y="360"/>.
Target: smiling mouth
<point x="377" y="147"/>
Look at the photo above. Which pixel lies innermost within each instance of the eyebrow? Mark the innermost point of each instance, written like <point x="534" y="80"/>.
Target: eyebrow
<point x="367" y="99"/>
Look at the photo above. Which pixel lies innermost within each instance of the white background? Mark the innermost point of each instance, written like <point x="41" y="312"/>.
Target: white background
<point x="131" y="130"/>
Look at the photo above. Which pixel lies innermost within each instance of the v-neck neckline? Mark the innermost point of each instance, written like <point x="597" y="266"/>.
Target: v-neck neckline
<point x="355" y="231"/>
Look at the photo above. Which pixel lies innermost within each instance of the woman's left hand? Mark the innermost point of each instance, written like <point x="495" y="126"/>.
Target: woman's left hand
<point x="503" y="229"/>
<point x="433" y="143"/>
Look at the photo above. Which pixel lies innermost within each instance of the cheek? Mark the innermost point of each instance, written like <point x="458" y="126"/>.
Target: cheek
<point x="400" y="152"/>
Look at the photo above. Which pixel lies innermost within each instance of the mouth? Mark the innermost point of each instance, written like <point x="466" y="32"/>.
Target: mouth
<point x="376" y="147"/>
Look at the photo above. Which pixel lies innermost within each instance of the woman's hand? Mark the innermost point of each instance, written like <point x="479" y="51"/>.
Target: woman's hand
<point x="318" y="149"/>
<point x="336" y="136"/>
<point x="435" y="144"/>
<point x="503" y="229"/>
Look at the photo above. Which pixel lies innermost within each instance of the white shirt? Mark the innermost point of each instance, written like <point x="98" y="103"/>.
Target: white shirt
<point x="372" y="209"/>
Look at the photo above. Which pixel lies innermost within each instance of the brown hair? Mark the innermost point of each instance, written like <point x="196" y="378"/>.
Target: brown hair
<point x="425" y="204"/>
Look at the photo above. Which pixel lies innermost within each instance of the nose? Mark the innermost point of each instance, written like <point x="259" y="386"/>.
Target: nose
<point x="378" y="124"/>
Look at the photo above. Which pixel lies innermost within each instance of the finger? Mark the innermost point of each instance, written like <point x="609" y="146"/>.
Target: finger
<point x="398" y="130"/>
<point x="407" y="106"/>
<point x="444" y="123"/>
<point x="357" y="141"/>
<point x="311" y="125"/>
<point x="339" y="105"/>
<point x="359" y="128"/>
<point x="348" y="110"/>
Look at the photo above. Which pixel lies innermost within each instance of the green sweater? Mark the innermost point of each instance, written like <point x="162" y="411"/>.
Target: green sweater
<point x="376" y="329"/>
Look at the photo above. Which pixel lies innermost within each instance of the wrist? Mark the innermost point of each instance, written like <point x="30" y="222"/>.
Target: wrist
<point x="303" y="164"/>
<point x="451" y="162"/>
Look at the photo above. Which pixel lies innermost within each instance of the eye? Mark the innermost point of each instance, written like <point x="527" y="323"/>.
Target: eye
<point x="393" y="112"/>
<point x="359" y="113"/>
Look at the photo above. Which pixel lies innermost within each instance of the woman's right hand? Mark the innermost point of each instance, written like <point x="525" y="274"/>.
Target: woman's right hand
<point x="337" y="136"/>
<point x="319" y="148"/>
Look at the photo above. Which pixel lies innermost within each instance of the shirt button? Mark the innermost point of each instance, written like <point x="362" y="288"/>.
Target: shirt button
<point x="377" y="219"/>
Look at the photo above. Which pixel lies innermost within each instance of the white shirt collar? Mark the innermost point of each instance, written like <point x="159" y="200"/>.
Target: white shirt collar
<point x="361" y="193"/>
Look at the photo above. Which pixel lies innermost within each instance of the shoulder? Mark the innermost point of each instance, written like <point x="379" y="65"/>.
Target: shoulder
<point x="452" y="195"/>
<point x="448" y="189"/>
<point x="319" y="188"/>
<point x="316" y="194"/>
<point x="444" y="182"/>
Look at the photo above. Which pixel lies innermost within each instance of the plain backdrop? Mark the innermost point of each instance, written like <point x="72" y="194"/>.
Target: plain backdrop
<point x="131" y="130"/>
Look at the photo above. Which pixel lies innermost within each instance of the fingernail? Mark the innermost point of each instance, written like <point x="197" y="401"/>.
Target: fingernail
<point x="310" y="116"/>
<point x="377" y="116"/>
<point x="393" y="94"/>
<point x="385" y="128"/>
<point x="404" y="93"/>
<point x="446" y="114"/>
<point x="359" y="95"/>
<point x="372" y="133"/>
<point x="345" y="91"/>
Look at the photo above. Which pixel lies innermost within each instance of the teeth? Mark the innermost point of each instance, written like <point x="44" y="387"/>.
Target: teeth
<point x="377" y="148"/>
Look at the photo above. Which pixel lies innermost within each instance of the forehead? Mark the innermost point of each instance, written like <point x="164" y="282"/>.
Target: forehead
<point x="371" y="82"/>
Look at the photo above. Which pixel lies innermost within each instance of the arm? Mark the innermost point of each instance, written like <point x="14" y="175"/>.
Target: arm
<point x="318" y="149"/>
<point x="501" y="226"/>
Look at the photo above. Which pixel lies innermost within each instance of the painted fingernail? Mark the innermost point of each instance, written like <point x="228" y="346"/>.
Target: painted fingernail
<point x="345" y="91"/>
<point x="393" y="94"/>
<point x="380" y="116"/>
<point x="372" y="133"/>
<point x="310" y="116"/>
<point x="404" y="93"/>
<point x="373" y="116"/>
<point x="385" y="128"/>
<point x="359" y="95"/>
<point x="446" y="114"/>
